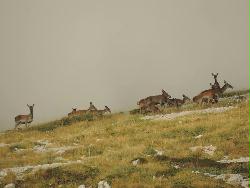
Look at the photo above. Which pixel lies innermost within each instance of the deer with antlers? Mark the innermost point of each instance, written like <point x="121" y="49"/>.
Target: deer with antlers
<point x="211" y="95"/>
<point x="25" y="119"/>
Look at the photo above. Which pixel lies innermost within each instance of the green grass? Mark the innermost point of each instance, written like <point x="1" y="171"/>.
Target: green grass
<point x="108" y="145"/>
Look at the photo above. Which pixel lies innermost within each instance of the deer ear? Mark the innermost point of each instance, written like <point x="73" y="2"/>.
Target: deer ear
<point x="33" y="105"/>
<point x="217" y="74"/>
<point x="28" y="105"/>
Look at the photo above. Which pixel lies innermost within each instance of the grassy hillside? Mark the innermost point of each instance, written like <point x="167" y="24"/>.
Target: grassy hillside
<point x="104" y="147"/>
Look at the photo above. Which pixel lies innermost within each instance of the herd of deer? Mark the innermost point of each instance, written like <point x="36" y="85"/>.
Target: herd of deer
<point x="27" y="119"/>
<point x="148" y="104"/>
<point x="211" y="95"/>
<point x="91" y="110"/>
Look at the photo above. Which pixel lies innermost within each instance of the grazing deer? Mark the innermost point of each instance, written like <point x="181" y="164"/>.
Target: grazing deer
<point x="216" y="84"/>
<point x="211" y="95"/>
<point x="92" y="107"/>
<point x="101" y="112"/>
<point x="157" y="99"/>
<point x="25" y="119"/>
<point x="180" y="102"/>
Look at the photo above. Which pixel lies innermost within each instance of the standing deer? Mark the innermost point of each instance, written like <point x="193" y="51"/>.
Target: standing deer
<point x="211" y="95"/>
<point x="25" y="119"/>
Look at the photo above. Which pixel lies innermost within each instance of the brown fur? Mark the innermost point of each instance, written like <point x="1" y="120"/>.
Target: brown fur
<point x="154" y="100"/>
<point x="100" y="112"/>
<point x="25" y="119"/>
<point x="211" y="95"/>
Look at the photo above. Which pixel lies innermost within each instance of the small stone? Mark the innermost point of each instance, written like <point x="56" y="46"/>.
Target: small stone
<point x="103" y="184"/>
<point x="176" y="166"/>
<point x="158" y="152"/>
<point x="81" y="186"/>
<point x="206" y="149"/>
<point x="199" y="136"/>
<point x="11" y="185"/>
<point x="138" y="161"/>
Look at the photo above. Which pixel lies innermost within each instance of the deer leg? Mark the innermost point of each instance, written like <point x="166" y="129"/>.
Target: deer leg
<point x="17" y="125"/>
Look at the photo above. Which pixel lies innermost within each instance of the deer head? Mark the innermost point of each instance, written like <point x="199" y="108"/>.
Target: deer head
<point x="107" y="109"/>
<point x="185" y="98"/>
<point x="227" y="85"/>
<point x="164" y="93"/>
<point x="215" y="75"/>
<point x="31" y="109"/>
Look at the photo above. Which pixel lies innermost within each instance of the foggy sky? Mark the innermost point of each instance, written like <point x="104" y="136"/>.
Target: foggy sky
<point x="60" y="54"/>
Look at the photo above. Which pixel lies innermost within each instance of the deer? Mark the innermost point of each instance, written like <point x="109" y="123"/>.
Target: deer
<point x="25" y="119"/>
<point x="180" y="102"/>
<point x="211" y="95"/>
<point x="100" y="112"/>
<point x="216" y="84"/>
<point x="92" y="107"/>
<point x="73" y="112"/>
<point x="157" y="99"/>
<point x="150" y="108"/>
<point x="77" y="112"/>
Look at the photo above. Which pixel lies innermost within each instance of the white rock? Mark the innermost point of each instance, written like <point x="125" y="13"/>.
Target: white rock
<point x="81" y="186"/>
<point x="206" y="149"/>
<point x="57" y="150"/>
<point x="172" y="116"/>
<point x="176" y="166"/>
<point x="233" y="179"/>
<point x="3" y="145"/>
<point x="43" y="142"/>
<point x="159" y="152"/>
<point x="240" y="160"/>
<point x="199" y="136"/>
<point x="11" y="185"/>
<point x="209" y="149"/>
<point x="136" y="162"/>
<point x="19" y="171"/>
<point x="103" y="184"/>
